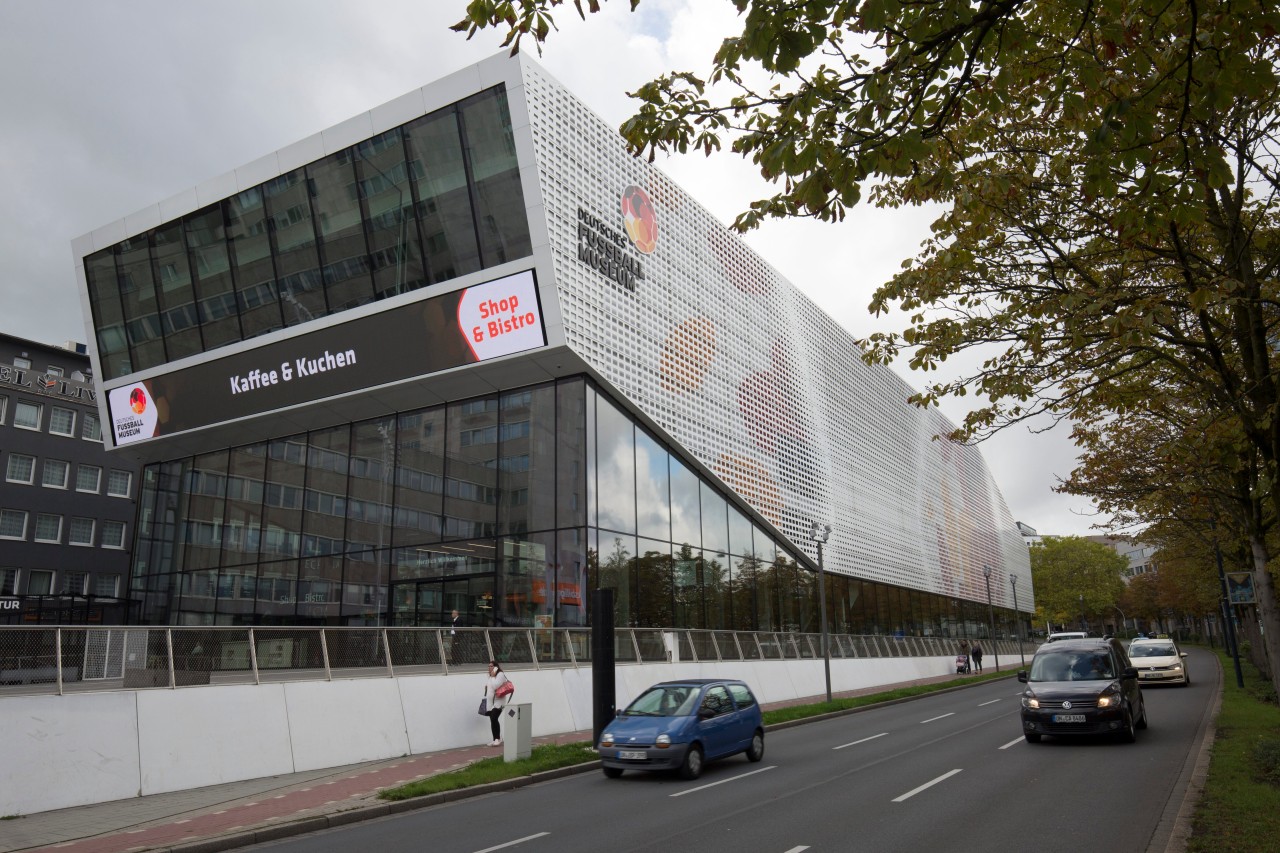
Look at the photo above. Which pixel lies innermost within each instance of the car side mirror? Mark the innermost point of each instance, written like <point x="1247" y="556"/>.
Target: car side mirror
<point x="619" y="712"/>
<point x="1022" y="676"/>
<point x="1130" y="672"/>
<point x="1182" y="654"/>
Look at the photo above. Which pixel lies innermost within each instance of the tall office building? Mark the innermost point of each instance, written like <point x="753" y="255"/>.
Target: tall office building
<point x="66" y="505"/>
<point x="464" y="351"/>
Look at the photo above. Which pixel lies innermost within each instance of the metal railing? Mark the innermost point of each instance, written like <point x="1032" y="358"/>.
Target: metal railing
<point x="42" y="659"/>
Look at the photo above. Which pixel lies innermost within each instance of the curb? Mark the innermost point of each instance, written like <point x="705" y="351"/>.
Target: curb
<point x="307" y="825"/>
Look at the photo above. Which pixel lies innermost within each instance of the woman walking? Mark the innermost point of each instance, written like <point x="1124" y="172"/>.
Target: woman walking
<point x="494" y="703"/>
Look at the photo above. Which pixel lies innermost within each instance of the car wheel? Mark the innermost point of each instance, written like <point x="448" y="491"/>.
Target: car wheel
<point x="1142" y="721"/>
<point x="612" y="772"/>
<point x="691" y="767"/>
<point x="1032" y="737"/>
<point x="1129" y="733"/>
<point x="755" y="752"/>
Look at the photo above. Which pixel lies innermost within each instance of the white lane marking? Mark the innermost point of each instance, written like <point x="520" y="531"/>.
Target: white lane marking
<point x="802" y="847"/>
<point x="1012" y="742"/>
<point x="984" y="704"/>
<point x="721" y="782"/>
<point x="931" y="719"/>
<point x="855" y="743"/>
<point x="909" y="794"/>
<point x="513" y="843"/>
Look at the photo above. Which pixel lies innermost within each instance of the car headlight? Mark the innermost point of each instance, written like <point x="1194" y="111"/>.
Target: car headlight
<point x="1109" y="697"/>
<point x="1030" y="701"/>
<point x="662" y="741"/>
<point x="1177" y="667"/>
<point x="606" y="739"/>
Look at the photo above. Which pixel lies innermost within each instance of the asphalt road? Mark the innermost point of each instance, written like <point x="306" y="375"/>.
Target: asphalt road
<point x="946" y="772"/>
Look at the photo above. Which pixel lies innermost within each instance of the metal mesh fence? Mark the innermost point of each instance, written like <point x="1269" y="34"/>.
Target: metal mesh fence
<point x="49" y="659"/>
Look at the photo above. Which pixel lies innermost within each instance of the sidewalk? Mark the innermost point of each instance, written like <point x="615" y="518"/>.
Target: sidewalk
<point x="237" y="814"/>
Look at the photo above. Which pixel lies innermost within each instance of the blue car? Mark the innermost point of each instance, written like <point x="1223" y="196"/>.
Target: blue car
<point x="681" y="725"/>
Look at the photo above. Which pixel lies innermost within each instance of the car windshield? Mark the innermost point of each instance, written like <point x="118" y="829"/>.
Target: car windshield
<point x="670" y="700"/>
<point x="1152" y="650"/>
<point x="1072" y="666"/>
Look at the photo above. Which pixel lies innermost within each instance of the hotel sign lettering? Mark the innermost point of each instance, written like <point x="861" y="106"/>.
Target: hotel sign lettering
<point x="43" y="383"/>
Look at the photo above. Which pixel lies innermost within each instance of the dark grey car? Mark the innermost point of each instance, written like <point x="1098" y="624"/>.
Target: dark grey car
<point x="1082" y="687"/>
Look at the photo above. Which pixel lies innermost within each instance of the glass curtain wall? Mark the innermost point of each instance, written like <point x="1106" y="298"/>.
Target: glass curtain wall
<point x="484" y="506"/>
<point x="422" y="203"/>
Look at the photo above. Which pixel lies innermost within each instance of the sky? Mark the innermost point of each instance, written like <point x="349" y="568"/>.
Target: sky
<point x="107" y="108"/>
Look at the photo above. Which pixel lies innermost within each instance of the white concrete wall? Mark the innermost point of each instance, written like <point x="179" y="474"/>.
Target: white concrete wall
<point x="81" y="748"/>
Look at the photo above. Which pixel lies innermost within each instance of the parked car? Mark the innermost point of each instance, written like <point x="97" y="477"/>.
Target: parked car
<point x="1082" y="687"/>
<point x="1066" y="635"/>
<point x="681" y="725"/>
<point x="1160" y="662"/>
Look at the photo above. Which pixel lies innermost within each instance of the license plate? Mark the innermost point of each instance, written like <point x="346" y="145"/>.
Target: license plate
<point x="1068" y="718"/>
<point x="632" y="755"/>
<point x="1150" y="675"/>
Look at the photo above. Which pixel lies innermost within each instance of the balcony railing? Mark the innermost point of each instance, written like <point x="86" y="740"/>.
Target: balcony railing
<point x="68" y="659"/>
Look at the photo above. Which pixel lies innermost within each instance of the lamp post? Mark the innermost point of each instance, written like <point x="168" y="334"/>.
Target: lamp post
<point x="1124" y="620"/>
<point x="1013" y="581"/>
<point x="991" y="617"/>
<point x="820" y="533"/>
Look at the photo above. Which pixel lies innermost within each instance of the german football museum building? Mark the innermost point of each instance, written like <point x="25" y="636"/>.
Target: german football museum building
<point x="463" y="351"/>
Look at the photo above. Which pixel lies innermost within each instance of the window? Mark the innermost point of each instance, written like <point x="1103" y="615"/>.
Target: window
<point x="112" y="534"/>
<point x="62" y="421"/>
<point x="22" y="469"/>
<point x="90" y="429"/>
<point x="21" y="361"/>
<point x="106" y="585"/>
<point x="13" y="524"/>
<point x="39" y="582"/>
<point x="48" y="527"/>
<point x="73" y="582"/>
<point x="118" y="483"/>
<point x="4" y="406"/>
<point x="52" y="370"/>
<point x="88" y="478"/>
<point x="8" y="581"/>
<point x="26" y="415"/>
<point x="55" y="474"/>
<point x="81" y="531"/>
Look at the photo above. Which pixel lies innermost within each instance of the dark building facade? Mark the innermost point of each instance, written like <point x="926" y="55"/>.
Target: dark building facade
<point x="67" y="507"/>
<point x="463" y="352"/>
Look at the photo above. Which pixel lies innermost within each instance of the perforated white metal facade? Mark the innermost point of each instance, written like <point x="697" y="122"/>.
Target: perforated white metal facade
<point x="749" y="376"/>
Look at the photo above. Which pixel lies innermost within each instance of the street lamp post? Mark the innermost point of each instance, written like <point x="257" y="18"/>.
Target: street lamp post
<point x="820" y="533"/>
<point x="1013" y="581"/>
<point x="991" y="617"/>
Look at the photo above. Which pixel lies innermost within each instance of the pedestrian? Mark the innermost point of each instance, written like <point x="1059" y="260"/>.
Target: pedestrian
<point x="975" y="654"/>
<point x="454" y="637"/>
<point x="494" y="703"/>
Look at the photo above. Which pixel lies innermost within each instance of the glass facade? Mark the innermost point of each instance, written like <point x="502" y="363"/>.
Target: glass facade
<point x="510" y="508"/>
<point x="422" y="203"/>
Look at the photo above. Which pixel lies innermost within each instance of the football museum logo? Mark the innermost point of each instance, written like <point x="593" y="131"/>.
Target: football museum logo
<point x="604" y="248"/>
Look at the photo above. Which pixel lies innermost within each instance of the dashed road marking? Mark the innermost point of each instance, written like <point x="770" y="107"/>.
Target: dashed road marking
<point x="909" y="794"/>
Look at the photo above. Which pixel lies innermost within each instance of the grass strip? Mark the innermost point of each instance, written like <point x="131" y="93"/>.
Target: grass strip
<point x="553" y="756"/>
<point x="550" y="756"/>
<point x="799" y="712"/>
<point x="1240" y="810"/>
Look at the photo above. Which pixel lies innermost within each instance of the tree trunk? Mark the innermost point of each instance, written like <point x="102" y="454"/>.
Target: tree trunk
<point x="1265" y="590"/>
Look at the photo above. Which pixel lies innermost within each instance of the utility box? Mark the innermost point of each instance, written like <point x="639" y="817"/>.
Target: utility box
<point x="517" y="732"/>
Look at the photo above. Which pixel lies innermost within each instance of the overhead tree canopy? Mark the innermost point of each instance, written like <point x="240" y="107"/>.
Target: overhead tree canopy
<point x="1106" y="171"/>
<point x="1075" y="578"/>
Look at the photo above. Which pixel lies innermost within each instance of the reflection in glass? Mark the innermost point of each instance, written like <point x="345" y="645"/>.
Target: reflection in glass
<point x="652" y="574"/>
<point x="211" y="269"/>
<point x="500" y="213"/>
<point x="298" y="278"/>
<point x="206" y="494"/>
<point x="108" y="316"/>
<point x="687" y="583"/>
<point x="444" y="201"/>
<point x="471" y="469"/>
<point x="419" y="477"/>
<point x="528" y="460"/>
<point x="395" y="256"/>
<point x="573" y="588"/>
<point x="325" y="521"/>
<point x="686" y="519"/>
<point x="242" y="530"/>
<point x="138" y="300"/>
<point x="616" y="574"/>
<point x="283" y="497"/>
<point x="255" y="275"/>
<point x="615" y="467"/>
<point x="335" y="203"/>
<point x="571" y="450"/>
<point x="653" y="488"/>
<point x="715" y="529"/>
<point x="180" y="318"/>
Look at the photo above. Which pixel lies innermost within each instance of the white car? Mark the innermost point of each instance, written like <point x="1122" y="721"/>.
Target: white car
<point x="1159" y="662"/>
<point x="1066" y="635"/>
